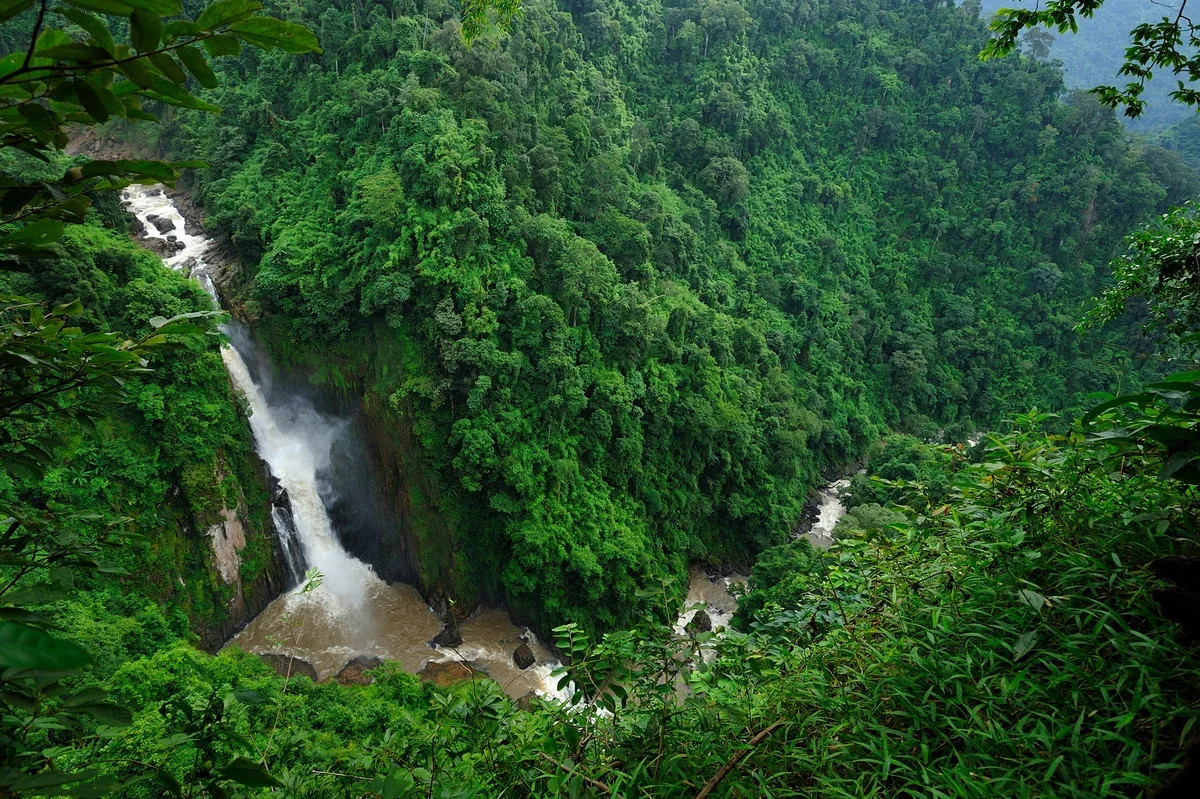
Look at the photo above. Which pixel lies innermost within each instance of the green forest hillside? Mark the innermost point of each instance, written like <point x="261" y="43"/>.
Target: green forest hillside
<point x="637" y="273"/>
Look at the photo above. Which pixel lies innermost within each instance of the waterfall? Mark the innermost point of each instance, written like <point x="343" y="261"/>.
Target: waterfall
<point x="295" y="441"/>
<point x="353" y="611"/>
<point x="291" y="436"/>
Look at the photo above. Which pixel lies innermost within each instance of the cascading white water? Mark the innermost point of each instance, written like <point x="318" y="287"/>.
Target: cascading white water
<point x="296" y="444"/>
<point x="830" y="511"/>
<point x="353" y="610"/>
<point x="293" y="439"/>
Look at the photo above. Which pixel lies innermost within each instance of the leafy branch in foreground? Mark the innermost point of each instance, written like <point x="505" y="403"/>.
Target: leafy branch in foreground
<point x="48" y="368"/>
<point x="1170" y="44"/>
<point x="75" y="73"/>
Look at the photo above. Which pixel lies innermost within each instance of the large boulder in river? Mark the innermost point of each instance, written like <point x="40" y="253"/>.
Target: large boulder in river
<point x="282" y="663"/>
<point x="192" y="226"/>
<point x="523" y="657"/>
<point x="161" y="223"/>
<point x="700" y="623"/>
<point x="446" y="673"/>
<point x="449" y="636"/>
<point x="355" y="672"/>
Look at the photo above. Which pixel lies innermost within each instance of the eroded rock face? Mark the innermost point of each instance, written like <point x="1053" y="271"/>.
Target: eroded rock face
<point x="447" y="637"/>
<point x="523" y="657"/>
<point x="228" y="540"/>
<point x="282" y="663"/>
<point x="446" y="673"/>
<point x="354" y="672"/>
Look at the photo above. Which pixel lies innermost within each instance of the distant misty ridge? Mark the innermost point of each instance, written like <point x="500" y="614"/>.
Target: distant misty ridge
<point x="1093" y="56"/>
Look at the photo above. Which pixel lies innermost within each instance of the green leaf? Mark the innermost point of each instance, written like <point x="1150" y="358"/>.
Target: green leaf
<point x="180" y="27"/>
<point x="93" y="25"/>
<point x="1032" y="598"/>
<point x="24" y="647"/>
<point x="24" y="616"/>
<point x="164" y="8"/>
<point x="88" y="696"/>
<point x="245" y="771"/>
<point x="74" y="51"/>
<point x="1024" y="645"/>
<point x="269" y="33"/>
<point x="10" y="8"/>
<point x="222" y="44"/>
<point x="89" y="98"/>
<point x="1115" y="402"/>
<point x="397" y="784"/>
<point x="41" y="120"/>
<point x="138" y="71"/>
<point x="169" y="67"/>
<point x="111" y="101"/>
<point x="171" y="94"/>
<point x="38" y="783"/>
<point x="112" y="8"/>
<point x="145" y="30"/>
<point x="197" y="64"/>
<point x="112" y="715"/>
<point x="248" y="696"/>
<point x="224" y="12"/>
<point x="123" y="8"/>
<point x="41" y="233"/>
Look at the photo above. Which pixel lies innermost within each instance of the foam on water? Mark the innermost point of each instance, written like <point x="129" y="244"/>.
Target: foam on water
<point x="831" y="510"/>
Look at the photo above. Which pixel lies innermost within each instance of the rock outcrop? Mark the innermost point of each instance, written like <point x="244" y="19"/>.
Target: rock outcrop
<point x="700" y="623"/>
<point x="162" y="224"/>
<point x="285" y="664"/>
<point x="355" y="672"/>
<point x="446" y="673"/>
<point x="523" y="657"/>
<point x="449" y="636"/>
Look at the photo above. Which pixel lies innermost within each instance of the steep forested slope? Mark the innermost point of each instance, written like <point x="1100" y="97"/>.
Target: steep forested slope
<point x="636" y="273"/>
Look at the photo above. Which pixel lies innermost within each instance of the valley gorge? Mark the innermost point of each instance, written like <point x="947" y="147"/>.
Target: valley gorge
<point x="565" y="398"/>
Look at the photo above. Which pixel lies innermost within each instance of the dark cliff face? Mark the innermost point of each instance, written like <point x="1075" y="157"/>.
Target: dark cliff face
<point x="425" y="533"/>
<point x="367" y="522"/>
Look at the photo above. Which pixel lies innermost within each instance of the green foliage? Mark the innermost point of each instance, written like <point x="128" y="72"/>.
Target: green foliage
<point x="635" y="274"/>
<point x="1162" y="269"/>
<point x="1006" y="639"/>
<point x="1094" y="54"/>
<point x="65" y="372"/>
<point x="782" y="578"/>
<point x="897" y="465"/>
<point x="78" y="74"/>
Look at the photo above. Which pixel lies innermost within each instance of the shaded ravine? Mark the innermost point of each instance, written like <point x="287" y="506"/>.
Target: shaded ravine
<point x="352" y="611"/>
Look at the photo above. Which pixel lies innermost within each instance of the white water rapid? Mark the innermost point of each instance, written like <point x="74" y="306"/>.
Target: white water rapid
<point x="352" y="611"/>
<point x="829" y="512"/>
